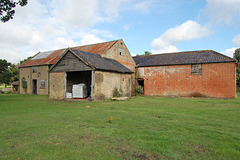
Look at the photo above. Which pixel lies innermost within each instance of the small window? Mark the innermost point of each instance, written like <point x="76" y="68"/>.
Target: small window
<point x="34" y="69"/>
<point x="42" y="84"/>
<point x="121" y="51"/>
<point x="196" y="69"/>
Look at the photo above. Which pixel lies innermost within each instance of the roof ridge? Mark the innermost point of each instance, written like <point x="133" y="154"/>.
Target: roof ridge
<point x="182" y="52"/>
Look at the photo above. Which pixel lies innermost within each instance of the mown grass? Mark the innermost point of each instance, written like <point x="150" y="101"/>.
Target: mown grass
<point x="2" y="85"/>
<point x="34" y="127"/>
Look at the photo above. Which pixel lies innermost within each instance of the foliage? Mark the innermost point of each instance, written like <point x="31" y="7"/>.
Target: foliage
<point x="14" y="71"/>
<point x="35" y="127"/>
<point x="147" y="53"/>
<point x="24" y="83"/>
<point x="236" y="55"/>
<point x="5" y="72"/>
<point x="117" y="93"/>
<point x="21" y="62"/>
<point x="138" y="90"/>
<point x="7" y="8"/>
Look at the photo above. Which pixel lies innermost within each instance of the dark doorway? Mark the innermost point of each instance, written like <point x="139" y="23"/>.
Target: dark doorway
<point x="77" y="78"/>
<point x="34" y="86"/>
<point x="141" y="83"/>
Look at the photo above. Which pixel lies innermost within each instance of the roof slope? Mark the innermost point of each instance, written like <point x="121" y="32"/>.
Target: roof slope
<point x="101" y="63"/>
<point x="178" y="58"/>
<point x="50" y="57"/>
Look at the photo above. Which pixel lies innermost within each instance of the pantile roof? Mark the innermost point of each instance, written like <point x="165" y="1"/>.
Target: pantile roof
<point x="179" y="58"/>
<point x="50" y="57"/>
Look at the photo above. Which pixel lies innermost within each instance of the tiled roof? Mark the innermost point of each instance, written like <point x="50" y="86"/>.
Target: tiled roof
<point x="16" y="83"/>
<point x="101" y="63"/>
<point x="50" y="57"/>
<point x="178" y="58"/>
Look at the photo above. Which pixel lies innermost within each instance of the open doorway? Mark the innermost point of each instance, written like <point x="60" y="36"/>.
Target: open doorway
<point x="34" y="86"/>
<point x="141" y="83"/>
<point x="79" y="77"/>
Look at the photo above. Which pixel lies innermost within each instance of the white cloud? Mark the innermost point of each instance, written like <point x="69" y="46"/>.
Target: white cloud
<point x="229" y="52"/>
<point x="89" y="39"/>
<point x="223" y="11"/>
<point x="236" y="40"/>
<point x="186" y="31"/>
<point x="54" y="24"/>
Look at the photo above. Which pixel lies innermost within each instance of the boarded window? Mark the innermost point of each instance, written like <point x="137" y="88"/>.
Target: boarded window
<point x="42" y="84"/>
<point x="196" y="69"/>
<point x="121" y="51"/>
<point x="34" y="69"/>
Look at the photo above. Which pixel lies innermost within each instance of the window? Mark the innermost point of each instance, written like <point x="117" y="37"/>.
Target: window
<point x="196" y="69"/>
<point x="34" y="69"/>
<point x="121" y="51"/>
<point x="42" y="84"/>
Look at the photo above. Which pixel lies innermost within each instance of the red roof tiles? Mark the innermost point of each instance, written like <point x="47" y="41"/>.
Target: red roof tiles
<point x="98" y="48"/>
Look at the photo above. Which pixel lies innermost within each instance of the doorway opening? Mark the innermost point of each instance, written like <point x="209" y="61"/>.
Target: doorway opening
<point x="82" y="79"/>
<point x="34" y="86"/>
<point x="141" y="83"/>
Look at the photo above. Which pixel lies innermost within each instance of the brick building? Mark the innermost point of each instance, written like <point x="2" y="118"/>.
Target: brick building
<point x="101" y="66"/>
<point x="196" y="73"/>
<point x="104" y="66"/>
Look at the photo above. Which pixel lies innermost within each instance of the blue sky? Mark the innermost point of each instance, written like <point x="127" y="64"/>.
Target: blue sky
<point x="159" y="26"/>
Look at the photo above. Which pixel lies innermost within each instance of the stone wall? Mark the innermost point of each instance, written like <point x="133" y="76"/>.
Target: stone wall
<point x="105" y="82"/>
<point x="216" y="80"/>
<point x="40" y="75"/>
<point x="57" y="85"/>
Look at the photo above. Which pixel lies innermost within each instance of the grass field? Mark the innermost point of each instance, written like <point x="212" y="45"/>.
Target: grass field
<point x="34" y="127"/>
<point x="2" y="85"/>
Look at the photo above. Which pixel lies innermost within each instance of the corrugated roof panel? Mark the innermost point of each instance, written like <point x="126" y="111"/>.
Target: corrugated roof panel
<point x="50" y="57"/>
<point x="41" y="55"/>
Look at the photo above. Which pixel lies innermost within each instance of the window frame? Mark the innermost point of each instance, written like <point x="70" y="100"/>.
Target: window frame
<point x="34" y="69"/>
<point x="196" y="69"/>
<point x="121" y="51"/>
<point x="42" y="84"/>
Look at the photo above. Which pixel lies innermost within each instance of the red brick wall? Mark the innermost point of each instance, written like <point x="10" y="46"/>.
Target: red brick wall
<point x="217" y="80"/>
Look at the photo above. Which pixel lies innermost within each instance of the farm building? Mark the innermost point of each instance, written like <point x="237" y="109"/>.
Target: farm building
<point x="195" y="73"/>
<point x="104" y="66"/>
<point x="101" y="67"/>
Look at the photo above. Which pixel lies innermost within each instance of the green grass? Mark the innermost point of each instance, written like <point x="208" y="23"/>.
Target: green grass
<point x="34" y="127"/>
<point x="2" y="85"/>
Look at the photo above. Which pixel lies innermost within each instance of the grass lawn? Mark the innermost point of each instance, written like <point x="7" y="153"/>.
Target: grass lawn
<point x="34" y="127"/>
<point x="2" y="85"/>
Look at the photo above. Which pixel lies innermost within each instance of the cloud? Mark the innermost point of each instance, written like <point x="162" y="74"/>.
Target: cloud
<point x="229" y="52"/>
<point x="186" y="31"/>
<point x="223" y="11"/>
<point x="236" y="40"/>
<point x="54" y="24"/>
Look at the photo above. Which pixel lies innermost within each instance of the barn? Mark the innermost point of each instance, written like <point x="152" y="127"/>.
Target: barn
<point x="190" y="74"/>
<point x="101" y="67"/>
<point x="101" y="75"/>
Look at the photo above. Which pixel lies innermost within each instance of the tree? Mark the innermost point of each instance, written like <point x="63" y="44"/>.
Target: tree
<point x="147" y="53"/>
<point x="236" y="55"/>
<point x="7" y="8"/>
<point x="5" y="73"/>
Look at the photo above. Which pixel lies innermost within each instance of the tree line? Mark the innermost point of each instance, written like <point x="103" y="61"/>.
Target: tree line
<point x="9" y="72"/>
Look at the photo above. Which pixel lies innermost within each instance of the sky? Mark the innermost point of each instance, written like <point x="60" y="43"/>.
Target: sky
<point x="158" y="26"/>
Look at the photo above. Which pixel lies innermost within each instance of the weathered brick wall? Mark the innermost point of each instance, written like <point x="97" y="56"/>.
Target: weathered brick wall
<point x="57" y="85"/>
<point x="41" y="74"/>
<point x="25" y="72"/>
<point x="217" y="80"/>
<point x="105" y="82"/>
